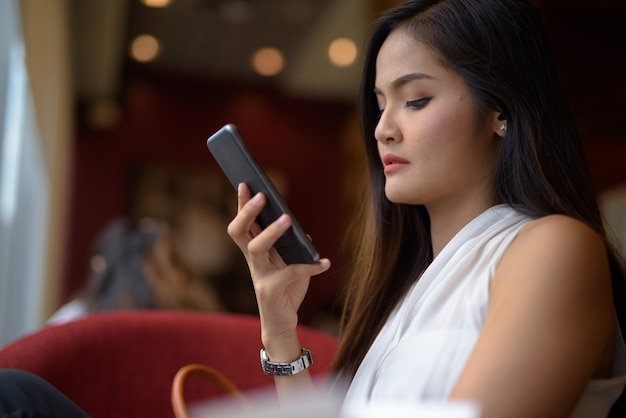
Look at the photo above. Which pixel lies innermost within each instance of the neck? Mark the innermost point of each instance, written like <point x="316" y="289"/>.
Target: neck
<point x="447" y="221"/>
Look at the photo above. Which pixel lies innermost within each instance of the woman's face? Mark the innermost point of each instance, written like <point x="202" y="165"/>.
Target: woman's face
<point x="166" y="275"/>
<point x="173" y="284"/>
<point x="436" y="147"/>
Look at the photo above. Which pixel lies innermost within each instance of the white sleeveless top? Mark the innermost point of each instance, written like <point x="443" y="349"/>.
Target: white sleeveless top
<point x="422" y="349"/>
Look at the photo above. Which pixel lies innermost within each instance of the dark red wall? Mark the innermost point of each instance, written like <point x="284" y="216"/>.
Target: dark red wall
<point x="167" y="121"/>
<point x="589" y="47"/>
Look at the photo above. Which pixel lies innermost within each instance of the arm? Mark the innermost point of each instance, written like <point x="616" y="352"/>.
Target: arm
<point x="280" y="289"/>
<point x="550" y="324"/>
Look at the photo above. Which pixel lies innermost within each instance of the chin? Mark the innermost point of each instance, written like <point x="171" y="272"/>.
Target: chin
<point x="399" y="198"/>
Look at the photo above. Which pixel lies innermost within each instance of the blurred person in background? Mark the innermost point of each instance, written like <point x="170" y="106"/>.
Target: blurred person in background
<point x="135" y="265"/>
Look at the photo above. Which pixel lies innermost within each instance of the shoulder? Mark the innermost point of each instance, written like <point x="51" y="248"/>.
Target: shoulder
<point x="557" y="247"/>
<point x="68" y="312"/>
<point x="558" y="261"/>
<point x="560" y="228"/>
<point x="554" y="242"/>
<point x="557" y="239"/>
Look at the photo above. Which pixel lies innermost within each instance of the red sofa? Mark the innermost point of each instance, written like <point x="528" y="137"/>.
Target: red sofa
<point x="122" y="364"/>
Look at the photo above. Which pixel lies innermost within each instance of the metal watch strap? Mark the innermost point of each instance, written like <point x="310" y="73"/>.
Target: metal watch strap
<point x="286" y="369"/>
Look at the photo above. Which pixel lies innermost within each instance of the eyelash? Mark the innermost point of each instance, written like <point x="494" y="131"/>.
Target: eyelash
<point x="413" y="104"/>
<point x="419" y="103"/>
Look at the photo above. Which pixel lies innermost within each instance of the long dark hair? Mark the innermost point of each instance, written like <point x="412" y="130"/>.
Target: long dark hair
<point x="116" y="278"/>
<point x="501" y="50"/>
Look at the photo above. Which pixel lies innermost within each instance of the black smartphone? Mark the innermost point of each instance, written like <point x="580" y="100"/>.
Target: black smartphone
<point x="240" y="166"/>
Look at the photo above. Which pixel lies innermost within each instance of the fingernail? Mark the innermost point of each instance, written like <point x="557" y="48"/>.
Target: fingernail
<point x="256" y="199"/>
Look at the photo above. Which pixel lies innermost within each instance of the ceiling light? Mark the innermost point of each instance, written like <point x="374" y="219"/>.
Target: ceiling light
<point x="268" y="61"/>
<point x="342" y="52"/>
<point x="156" y="3"/>
<point x="145" y="48"/>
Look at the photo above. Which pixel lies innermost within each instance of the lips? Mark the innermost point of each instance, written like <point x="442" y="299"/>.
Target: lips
<point x="393" y="163"/>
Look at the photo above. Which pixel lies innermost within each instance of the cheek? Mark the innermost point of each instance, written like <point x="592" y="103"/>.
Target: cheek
<point x="452" y="125"/>
<point x="431" y="135"/>
<point x="457" y="115"/>
<point x="445" y="145"/>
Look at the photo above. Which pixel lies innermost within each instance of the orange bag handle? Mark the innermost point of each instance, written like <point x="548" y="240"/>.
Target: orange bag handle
<point x="217" y="378"/>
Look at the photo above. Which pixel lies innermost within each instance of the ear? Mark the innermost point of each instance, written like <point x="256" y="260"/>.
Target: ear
<point x="499" y="124"/>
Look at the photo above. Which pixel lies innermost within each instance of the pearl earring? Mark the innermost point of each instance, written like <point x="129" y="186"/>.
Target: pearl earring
<point x="503" y="127"/>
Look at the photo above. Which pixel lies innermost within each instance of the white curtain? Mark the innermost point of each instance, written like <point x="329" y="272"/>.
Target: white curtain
<point x="23" y="188"/>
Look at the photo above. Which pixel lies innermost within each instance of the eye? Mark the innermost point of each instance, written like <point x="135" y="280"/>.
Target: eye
<point x="419" y="103"/>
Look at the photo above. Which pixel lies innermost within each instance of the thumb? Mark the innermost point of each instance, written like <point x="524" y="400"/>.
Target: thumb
<point x="314" y="269"/>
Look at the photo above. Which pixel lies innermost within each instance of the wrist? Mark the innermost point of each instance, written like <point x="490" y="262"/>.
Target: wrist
<point x="286" y="368"/>
<point x="282" y="348"/>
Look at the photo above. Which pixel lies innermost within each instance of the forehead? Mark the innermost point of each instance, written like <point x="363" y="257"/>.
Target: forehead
<point x="401" y="54"/>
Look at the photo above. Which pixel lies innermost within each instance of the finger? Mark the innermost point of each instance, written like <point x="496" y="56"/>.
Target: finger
<point x="297" y="272"/>
<point x="275" y="259"/>
<point x="255" y="229"/>
<point x="303" y="270"/>
<point x="262" y="244"/>
<point x="239" y="228"/>
<point x="243" y="195"/>
<point x="319" y="267"/>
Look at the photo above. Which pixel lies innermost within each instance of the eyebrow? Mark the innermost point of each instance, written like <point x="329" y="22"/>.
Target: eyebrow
<point x="402" y="80"/>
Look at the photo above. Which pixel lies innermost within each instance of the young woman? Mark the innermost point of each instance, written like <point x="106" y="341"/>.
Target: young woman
<point x="484" y="272"/>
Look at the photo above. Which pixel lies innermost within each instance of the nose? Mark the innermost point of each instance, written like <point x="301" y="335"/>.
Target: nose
<point x="386" y="131"/>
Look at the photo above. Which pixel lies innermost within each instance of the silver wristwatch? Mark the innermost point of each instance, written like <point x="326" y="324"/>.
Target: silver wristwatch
<point x="286" y="369"/>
